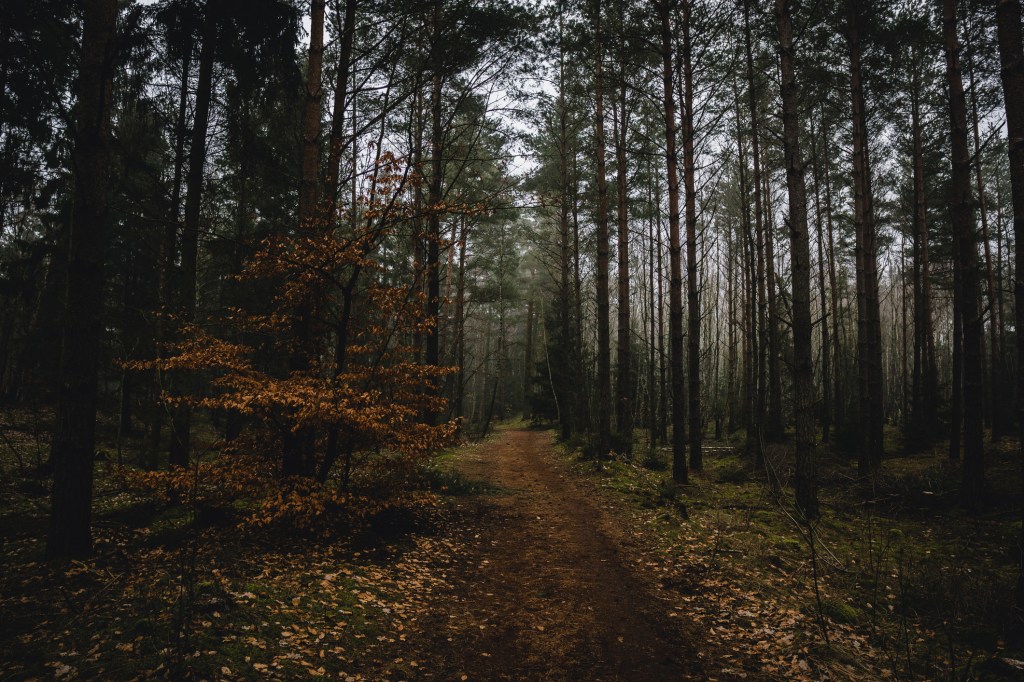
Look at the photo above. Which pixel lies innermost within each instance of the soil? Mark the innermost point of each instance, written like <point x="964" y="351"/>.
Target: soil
<point x="546" y="588"/>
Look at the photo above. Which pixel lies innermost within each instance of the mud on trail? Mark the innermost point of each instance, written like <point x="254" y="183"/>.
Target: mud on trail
<point x="545" y="589"/>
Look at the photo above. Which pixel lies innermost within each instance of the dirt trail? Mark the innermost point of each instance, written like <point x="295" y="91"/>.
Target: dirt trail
<point x="546" y="591"/>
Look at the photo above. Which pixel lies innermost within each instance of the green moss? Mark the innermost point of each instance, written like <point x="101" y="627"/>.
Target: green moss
<point x="840" y="612"/>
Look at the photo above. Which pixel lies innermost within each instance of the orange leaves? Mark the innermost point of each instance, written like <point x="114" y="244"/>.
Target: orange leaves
<point x="319" y="368"/>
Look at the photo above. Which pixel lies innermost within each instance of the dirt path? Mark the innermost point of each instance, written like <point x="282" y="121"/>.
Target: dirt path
<point x="545" y="590"/>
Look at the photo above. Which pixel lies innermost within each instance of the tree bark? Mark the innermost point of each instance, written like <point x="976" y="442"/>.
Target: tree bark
<point x="759" y="280"/>
<point x="869" y="333"/>
<point x="336" y="143"/>
<point x="624" y="375"/>
<point x="803" y="370"/>
<point x="680" y="473"/>
<point x="74" y="439"/>
<point x="692" y="287"/>
<point x="604" y="388"/>
<point x="826" y="375"/>
<point x="1011" y="60"/>
<point x="962" y="214"/>
<point x="311" y="118"/>
<point x="182" y="418"/>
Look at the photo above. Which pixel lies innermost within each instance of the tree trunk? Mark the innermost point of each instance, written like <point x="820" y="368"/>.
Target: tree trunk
<point x="528" y="361"/>
<point x="433" y="266"/>
<point x="1011" y="60"/>
<point x="692" y="288"/>
<point x="336" y="144"/>
<point x="803" y="369"/>
<point x="759" y="280"/>
<point x="568" y="391"/>
<point x="167" y="285"/>
<point x="679" y="467"/>
<point x="869" y="342"/>
<point x="962" y="214"/>
<point x="604" y="388"/>
<point x="182" y="418"/>
<point x="826" y="383"/>
<point x="995" y="351"/>
<point x="74" y="438"/>
<point x="924" y="383"/>
<point x="311" y="118"/>
<point x="624" y="377"/>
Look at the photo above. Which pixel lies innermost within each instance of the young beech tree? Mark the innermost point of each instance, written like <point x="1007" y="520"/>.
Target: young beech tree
<point x="358" y="391"/>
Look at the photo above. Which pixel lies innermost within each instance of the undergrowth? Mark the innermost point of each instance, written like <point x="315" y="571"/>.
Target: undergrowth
<point x="911" y="586"/>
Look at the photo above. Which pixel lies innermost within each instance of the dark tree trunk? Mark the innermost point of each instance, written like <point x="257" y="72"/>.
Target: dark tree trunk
<point x="311" y="118"/>
<point x="962" y="214"/>
<point x="432" y="349"/>
<point x="833" y="285"/>
<point x="924" y="382"/>
<point x="182" y="418"/>
<point x="692" y="287"/>
<point x="567" y="393"/>
<point x="336" y="143"/>
<point x="604" y="387"/>
<point x="1011" y="59"/>
<point x="759" y="280"/>
<point x="997" y="368"/>
<point x="624" y="377"/>
<point x="167" y="285"/>
<point x="803" y="368"/>
<point x="528" y="361"/>
<point x="869" y="331"/>
<point x="74" y="439"/>
<point x="679" y="465"/>
<point x="826" y="375"/>
<point x="750" y="316"/>
<point x="460" y="327"/>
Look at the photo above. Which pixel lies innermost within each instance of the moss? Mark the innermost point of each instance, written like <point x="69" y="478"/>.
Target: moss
<point x="840" y="612"/>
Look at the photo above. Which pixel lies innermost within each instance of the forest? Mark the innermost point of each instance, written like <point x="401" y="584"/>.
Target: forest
<point x="512" y="339"/>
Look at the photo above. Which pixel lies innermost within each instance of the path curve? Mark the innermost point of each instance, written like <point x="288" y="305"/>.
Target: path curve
<point x="546" y="590"/>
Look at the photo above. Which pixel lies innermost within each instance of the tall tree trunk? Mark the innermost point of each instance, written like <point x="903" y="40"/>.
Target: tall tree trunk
<point x="74" y="438"/>
<point x="652" y="392"/>
<point x="995" y="351"/>
<point x="568" y="391"/>
<point x="336" y="143"/>
<point x="962" y="214"/>
<point x="775" y="428"/>
<point x="869" y="341"/>
<point x="297" y="456"/>
<point x="692" y="287"/>
<point x="833" y="285"/>
<point x="182" y="418"/>
<point x="432" y="350"/>
<point x="662" y="375"/>
<point x="747" y="271"/>
<point x="924" y="386"/>
<point x="311" y="117"/>
<point x="1011" y="60"/>
<point x="528" y="361"/>
<point x="679" y="468"/>
<point x="624" y="377"/>
<point x="167" y="284"/>
<point x="604" y="387"/>
<point x="759" y="280"/>
<point x="460" y="326"/>
<point x="826" y="383"/>
<point x="803" y="368"/>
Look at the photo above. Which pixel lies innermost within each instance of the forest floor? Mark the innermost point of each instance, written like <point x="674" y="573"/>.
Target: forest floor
<point x="515" y="558"/>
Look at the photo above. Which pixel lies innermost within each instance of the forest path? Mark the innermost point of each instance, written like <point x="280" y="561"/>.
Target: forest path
<point x="545" y="590"/>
